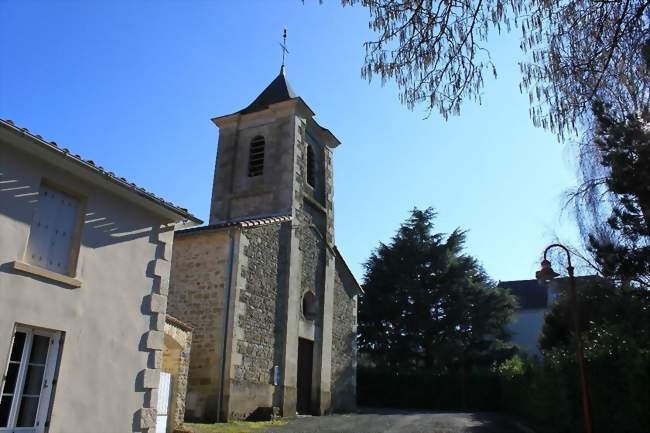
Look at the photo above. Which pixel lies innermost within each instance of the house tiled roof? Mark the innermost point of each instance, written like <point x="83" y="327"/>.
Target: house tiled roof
<point x="90" y="165"/>
<point x="242" y="223"/>
<point x="535" y="293"/>
<point x="530" y="293"/>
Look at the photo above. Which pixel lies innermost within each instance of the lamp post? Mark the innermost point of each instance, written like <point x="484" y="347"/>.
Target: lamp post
<point x="547" y="274"/>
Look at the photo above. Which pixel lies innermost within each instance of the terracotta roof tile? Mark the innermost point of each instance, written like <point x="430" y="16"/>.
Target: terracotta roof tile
<point x="243" y="223"/>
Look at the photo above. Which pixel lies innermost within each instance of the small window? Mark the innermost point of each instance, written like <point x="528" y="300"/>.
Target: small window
<point x="256" y="157"/>
<point x="27" y="388"/>
<point x="53" y="230"/>
<point x="309" y="307"/>
<point x="311" y="167"/>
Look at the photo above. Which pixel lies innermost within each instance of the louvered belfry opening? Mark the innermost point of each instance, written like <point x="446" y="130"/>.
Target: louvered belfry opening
<point x="311" y="175"/>
<point x="256" y="157"/>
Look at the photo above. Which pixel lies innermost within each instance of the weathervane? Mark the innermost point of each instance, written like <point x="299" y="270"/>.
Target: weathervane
<point x="284" y="46"/>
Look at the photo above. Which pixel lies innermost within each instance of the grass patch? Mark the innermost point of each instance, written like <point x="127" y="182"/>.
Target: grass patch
<point x="233" y="426"/>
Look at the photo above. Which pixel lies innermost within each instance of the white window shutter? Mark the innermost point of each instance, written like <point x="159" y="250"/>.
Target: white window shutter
<point x="50" y="239"/>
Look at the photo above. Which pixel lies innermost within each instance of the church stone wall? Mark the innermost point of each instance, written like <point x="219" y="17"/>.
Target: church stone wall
<point x="313" y="261"/>
<point x="344" y="346"/>
<point x="235" y="194"/>
<point x="259" y="327"/>
<point x="196" y="296"/>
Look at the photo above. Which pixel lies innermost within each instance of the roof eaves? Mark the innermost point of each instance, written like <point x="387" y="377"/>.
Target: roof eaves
<point x="347" y="268"/>
<point x="239" y="223"/>
<point x="326" y="132"/>
<point x="178" y="323"/>
<point x="110" y="176"/>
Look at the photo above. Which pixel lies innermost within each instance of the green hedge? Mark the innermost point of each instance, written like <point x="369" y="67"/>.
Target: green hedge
<point x="548" y="393"/>
<point x="424" y="390"/>
<point x="545" y="393"/>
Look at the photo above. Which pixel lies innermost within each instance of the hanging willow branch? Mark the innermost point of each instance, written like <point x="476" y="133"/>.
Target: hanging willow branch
<point x="575" y="52"/>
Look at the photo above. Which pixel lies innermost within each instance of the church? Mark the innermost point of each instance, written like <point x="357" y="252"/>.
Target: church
<point x="271" y="299"/>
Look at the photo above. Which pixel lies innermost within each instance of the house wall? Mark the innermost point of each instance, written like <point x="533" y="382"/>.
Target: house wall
<point x="526" y="327"/>
<point x="112" y="324"/>
<point x="199" y="274"/>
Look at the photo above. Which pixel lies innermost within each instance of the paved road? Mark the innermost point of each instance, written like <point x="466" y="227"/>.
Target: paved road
<point x="384" y="421"/>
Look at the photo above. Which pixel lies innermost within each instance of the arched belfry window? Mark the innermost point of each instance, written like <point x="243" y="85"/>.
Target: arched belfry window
<point x="256" y="157"/>
<point x="311" y="166"/>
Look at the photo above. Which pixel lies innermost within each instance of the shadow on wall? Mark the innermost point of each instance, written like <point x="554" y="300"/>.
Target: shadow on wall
<point x="106" y="221"/>
<point x="154" y="353"/>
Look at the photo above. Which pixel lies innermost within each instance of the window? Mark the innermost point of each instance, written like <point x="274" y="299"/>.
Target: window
<point x="311" y="168"/>
<point x="26" y="392"/>
<point x="53" y="230"/>
<point x="309" y="307"/>
<point x="256" y="157"/>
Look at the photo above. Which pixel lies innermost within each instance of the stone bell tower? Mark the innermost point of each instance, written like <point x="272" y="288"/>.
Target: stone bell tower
<point x="271" y="298"/>
<point x="273" y="158"/>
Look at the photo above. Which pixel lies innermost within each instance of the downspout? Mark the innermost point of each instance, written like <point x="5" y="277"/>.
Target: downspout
<point x="231" y="254"/>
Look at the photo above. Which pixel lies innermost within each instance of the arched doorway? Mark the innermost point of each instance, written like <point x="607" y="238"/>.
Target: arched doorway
<point x="173" y="379"/>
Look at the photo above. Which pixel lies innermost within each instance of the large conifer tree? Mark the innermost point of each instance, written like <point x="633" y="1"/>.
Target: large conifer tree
<point x="623" y="144"/>
<point x="427" y="304"/>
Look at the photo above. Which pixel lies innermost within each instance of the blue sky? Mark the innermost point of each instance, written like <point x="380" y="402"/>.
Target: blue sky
<point x="133" y="85"/>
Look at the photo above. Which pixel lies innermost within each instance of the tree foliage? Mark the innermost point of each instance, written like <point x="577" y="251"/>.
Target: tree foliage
<point x="615" y="324"/>
<point x="574" y="52"/>
<point x="604" y="309"/>
<point x="622" y="248"/>
<point x="429" y="305"/>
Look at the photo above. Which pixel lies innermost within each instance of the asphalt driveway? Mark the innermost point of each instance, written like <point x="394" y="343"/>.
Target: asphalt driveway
<point x="390" y="421"/>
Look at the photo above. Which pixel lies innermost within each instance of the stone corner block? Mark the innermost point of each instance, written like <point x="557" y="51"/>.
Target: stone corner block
<point x="156" y="340"/>
<point x="151" y="378"/>
<point x="163" y="288"/>
<point x="160" y="321"/>
<point x="157" y="303"/>
<point x="162" y="268"/>
<point x="147" y="417"/>
<point x="157" y="358"/>
<point x="151" y="399"/>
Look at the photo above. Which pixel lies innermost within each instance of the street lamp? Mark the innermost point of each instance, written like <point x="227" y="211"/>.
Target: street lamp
<point x="547" y="274"/>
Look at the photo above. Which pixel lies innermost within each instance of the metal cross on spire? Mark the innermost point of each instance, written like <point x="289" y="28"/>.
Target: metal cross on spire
<point x="284" y="47"/>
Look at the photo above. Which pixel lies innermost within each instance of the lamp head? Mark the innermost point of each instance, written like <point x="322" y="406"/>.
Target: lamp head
<point x="546" y="273"/>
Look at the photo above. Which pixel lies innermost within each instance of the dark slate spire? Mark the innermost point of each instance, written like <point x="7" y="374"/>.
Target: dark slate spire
<point x="279" y="90"/>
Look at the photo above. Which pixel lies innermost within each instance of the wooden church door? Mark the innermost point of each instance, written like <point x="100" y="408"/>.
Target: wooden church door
<point x="305" y="369"/>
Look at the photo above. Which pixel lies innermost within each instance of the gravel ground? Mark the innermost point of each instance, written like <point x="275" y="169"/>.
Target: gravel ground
<point x="387" y="421"/>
